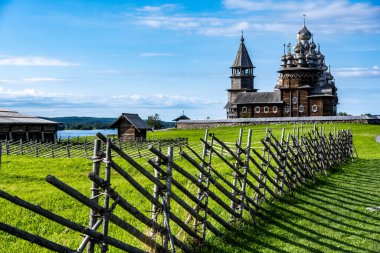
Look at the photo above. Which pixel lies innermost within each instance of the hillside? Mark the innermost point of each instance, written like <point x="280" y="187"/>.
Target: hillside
<point x="88" y="123"/>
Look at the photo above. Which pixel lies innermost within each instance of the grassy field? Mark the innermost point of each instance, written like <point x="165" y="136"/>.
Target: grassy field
<point x="327" y="216"/>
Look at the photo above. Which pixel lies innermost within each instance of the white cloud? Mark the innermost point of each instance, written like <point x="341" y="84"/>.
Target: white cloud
<point x="151" y="54"/>
<point x="161" y="100"/>
<point x="358" y="72"/>
<point x="41" y="79"/>
<point x="31" y="80"/>
<point x="33" y="98"/>
<point x="107" y="71"/>
<point x="33" y="61"/>
<point x="164" y="7"/>
<point x="262" y="16"/>
<point x="171" y="23"/>
<point x="9" y="93"/>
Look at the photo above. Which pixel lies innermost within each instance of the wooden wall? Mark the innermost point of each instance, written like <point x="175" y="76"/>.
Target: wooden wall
<point x="42" y="133"/>
<point x="127" y="132"/>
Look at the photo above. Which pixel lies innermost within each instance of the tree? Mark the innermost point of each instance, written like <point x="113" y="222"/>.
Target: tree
<point x="155" y="122"/>
<point x="343" y="114"/>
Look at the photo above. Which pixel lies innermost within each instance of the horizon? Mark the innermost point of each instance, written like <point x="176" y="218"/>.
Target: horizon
<point x="101" y="59"/>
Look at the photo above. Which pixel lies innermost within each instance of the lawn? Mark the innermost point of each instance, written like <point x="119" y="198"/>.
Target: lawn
<point x="328" y="215"/>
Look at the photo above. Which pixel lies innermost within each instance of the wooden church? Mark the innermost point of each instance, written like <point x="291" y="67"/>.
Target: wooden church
<point x="305" y="86"/>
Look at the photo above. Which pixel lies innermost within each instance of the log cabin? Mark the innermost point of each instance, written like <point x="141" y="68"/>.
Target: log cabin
<point x="130" y="127"/>
<point x="15" y="126"/>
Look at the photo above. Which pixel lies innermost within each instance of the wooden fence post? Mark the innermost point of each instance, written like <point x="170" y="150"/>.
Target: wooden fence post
<point x="156" y="193"/>
<point x="104" y="247"/>
<point x="245" y="172"/>
<point x="96" y="160"/>
<point x="263" y="174"/>
<point x="68" y="149"/>
<point x="235" y="175"/>
<point x="7" y="147"/>
<point x="21" y="147"/>
<point x="36" y="148"/>
<point x="166" y="203"/>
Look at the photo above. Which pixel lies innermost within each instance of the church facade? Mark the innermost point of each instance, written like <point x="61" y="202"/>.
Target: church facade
<point x="305" y="86"/>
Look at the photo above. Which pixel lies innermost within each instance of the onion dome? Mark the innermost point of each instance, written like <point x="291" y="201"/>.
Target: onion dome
<point x="311" y="57"/>
<point x="289" y="57"/>
<point x="312" y="45"/>
<point x="297" y="48"/>
<point x="304" y="33"/>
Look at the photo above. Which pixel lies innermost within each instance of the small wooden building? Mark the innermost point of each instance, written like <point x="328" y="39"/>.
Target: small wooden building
<point x="16" y="126"/>
<point x="130" y="127"/>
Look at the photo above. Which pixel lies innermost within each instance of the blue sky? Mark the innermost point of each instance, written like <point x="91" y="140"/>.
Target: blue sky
<point x="102" y="58"/>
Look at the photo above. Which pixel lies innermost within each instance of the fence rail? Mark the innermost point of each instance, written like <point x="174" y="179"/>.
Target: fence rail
<point x="76" y="149"/>
<point x="229" y="187"/>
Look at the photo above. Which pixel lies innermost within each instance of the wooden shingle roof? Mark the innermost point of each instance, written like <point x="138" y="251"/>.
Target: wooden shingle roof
<point x="258" y="98"/>
<point x="132" y="118"/>
<point x="12" y="117"/>
<point x="242" y="58"/>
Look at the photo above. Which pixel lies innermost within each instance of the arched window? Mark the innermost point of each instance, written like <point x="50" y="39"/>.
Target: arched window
<point x="295" y="100"/>
<point x="274" y="109"/>
<point x="244" y="109"/>
<point x="287" y="109"/>
<point x="314" y="108"/>
<point x="301" y="108"/>
<point x="266" y="109"/>
<point x="257" y="109"/>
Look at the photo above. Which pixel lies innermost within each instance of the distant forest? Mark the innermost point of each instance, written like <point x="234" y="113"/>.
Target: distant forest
<point x="89" y="123"/>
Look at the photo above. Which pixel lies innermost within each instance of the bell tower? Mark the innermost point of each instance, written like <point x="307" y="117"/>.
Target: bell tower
<point x="241" y="73"/>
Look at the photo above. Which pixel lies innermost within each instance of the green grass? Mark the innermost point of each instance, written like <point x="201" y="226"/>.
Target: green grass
<point x="327" y="216"/>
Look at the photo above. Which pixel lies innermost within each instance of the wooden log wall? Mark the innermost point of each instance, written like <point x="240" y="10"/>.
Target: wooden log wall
<point x="229" y="187"/>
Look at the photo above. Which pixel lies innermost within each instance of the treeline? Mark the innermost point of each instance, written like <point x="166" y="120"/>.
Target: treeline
<point x="89" y="123"/>
<point x="82" y="123"/>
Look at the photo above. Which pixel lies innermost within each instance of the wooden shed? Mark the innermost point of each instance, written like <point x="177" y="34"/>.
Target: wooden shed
<point x="130" y="127"/>
<point x="16" y="126"/>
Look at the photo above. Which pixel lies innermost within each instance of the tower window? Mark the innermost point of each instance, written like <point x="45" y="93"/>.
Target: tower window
<point x="295" y="100"/>
<point x="257" y="109"/>
<point x="287" y="109"/>
<point x="274" y="109"/>
<point x="244" y="109"/>
<point x="301" y="108"/>
<point x="266" y="109"/>
<point x="314" y="108"/>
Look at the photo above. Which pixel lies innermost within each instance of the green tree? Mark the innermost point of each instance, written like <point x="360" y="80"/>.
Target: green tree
<point x="155" y="122"/>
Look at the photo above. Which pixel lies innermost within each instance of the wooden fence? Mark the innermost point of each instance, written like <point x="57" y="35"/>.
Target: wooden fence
<point x="227" y="190"/>
<point x="75" y="149"/>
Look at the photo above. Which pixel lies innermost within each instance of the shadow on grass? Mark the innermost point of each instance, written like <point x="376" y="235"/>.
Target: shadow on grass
<point x="327" y="215"/>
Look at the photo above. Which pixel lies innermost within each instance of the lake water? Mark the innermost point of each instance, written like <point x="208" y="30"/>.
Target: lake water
<point x="64" y="134"/>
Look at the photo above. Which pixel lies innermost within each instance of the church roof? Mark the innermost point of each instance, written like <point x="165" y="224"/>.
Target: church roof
<point x="242" y="58"/>
<point x="258" y="98"/>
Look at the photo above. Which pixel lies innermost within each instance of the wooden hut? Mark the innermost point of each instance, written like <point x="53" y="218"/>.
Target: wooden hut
<point x="130" y="127"/>
<point x="16" y="126"/>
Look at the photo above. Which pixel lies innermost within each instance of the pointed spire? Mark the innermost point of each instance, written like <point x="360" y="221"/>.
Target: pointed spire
<point x="289" y="46"/>
<point x="304" y="19"/>
<point x="284" y="48"/>
<point x="242" y="58"/>
<point x="242" y="36"/>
